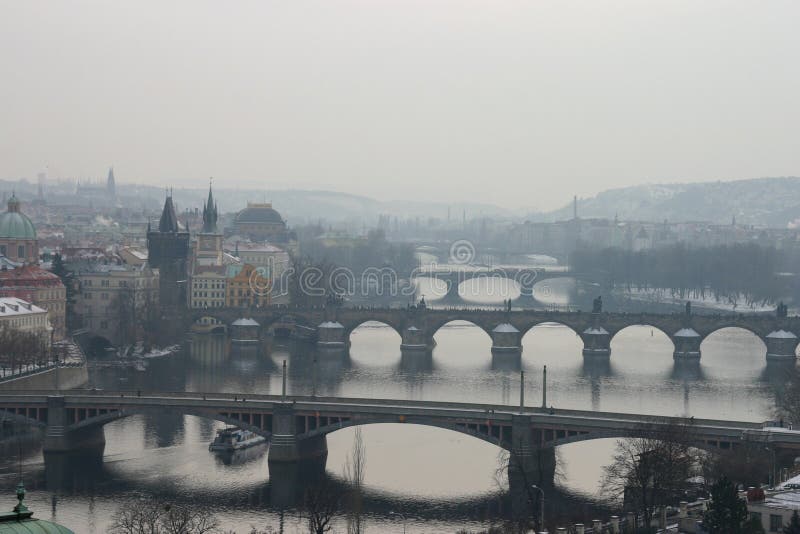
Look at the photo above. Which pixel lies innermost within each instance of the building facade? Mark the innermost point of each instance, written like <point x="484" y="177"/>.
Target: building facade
<point x="116" y="301"/>
<point x="40" y="287"/>
<point x="247" y="286"/>
<point x="21" y="315"/>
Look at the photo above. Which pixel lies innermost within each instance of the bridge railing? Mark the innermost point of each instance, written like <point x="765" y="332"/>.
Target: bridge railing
<point x="302" y="400"/>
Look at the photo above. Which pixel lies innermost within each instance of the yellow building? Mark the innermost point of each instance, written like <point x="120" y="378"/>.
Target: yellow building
<point x="248" y="286"/>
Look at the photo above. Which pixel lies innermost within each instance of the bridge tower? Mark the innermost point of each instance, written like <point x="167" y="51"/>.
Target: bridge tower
<point x="168" y="251"/>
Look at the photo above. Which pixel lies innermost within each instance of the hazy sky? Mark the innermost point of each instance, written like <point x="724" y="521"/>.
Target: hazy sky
<point x="520" y="103"/>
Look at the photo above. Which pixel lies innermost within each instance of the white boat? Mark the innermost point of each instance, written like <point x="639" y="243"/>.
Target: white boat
<point x="234" y="439"/>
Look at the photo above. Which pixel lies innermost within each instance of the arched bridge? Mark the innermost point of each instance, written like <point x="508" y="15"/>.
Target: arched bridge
<point x="418" y="326"/>
<point x="297" y="426"/>
<point x="525" y="277"/>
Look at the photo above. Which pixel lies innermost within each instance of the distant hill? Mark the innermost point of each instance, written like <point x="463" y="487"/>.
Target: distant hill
<point x="772" y="202"/>
<point x="301" y="206"/>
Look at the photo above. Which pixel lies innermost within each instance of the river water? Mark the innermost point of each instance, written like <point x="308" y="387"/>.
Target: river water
<point x="417" y="479"/>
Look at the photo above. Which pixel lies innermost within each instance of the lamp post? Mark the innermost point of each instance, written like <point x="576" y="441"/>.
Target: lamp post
<point x="541" y="505"/>
<point x="401" y="517"/>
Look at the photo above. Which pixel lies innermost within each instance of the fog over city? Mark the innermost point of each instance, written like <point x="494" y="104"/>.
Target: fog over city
<point x="384" y="266"/>
<point x="517" y="103"/>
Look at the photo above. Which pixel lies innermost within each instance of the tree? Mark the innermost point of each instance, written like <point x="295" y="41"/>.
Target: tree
<point x="794" y="525"/>
<point x="727" y="513"/>
<point x="650" y="469"/>
<point x="151" y="516"/>
<point x="321" y="503"/>
<point x="354" y="474"/>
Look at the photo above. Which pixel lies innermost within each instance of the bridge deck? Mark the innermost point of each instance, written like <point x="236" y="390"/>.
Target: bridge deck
<point x="596" y="422"/>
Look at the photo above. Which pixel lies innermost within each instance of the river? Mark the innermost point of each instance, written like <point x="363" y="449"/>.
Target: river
<point x="417" y="479"/>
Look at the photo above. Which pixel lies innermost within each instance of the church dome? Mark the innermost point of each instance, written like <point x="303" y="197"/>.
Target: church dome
<point x="259" y="214"/>
<point x="20" y="520"/>
<point x="14" y="224"/>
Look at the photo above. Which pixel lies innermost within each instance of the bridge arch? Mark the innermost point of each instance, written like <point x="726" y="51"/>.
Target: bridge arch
<point x="538" y="339"/>
<point x="715" y="339"/>
<point x="656" y="336"/>
<point x="437" y="330"/>
<point x="498" y="435"/>
<point x="260" y="426"/>
<point x="350" y="328"/>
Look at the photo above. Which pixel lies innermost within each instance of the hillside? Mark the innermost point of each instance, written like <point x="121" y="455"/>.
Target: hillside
<point x="772" y="202"/>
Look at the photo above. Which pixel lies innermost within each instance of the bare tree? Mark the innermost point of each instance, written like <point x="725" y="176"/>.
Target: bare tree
<point x="150" y="516"/>
<point x="354" y="474"/>
<point x="650" y="469"/>
<point x="321" y="504"/>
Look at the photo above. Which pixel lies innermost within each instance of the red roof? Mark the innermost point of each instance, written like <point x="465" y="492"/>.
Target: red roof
<point x="28" y="275"/>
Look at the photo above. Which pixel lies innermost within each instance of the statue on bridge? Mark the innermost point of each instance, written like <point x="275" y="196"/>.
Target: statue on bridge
<point x="782" y="311"/>
<point x="597" y="305"/>
<point x="688" y="310"/>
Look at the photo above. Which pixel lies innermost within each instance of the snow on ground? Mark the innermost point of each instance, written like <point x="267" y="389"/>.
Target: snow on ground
<point x="664" y="296"/>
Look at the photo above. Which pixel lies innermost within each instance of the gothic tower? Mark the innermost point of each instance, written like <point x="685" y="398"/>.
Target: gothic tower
<point x="111" y="186"/>
<point x="168" y="251"/>
<point x="209" y="240"/>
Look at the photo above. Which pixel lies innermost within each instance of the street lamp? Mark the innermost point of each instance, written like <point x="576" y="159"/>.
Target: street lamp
<point x="541" y="505"/>
<point x="401" y="517"/>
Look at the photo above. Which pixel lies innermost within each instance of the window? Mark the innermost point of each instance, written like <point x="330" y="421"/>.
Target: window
<point x="104" y="283"/>
<point x="21" y="251"/>
<point x="775" y="523"/>
<point x="104" y="296"/>
<point x="104" y="325"/>
<point x="3" y="250"/>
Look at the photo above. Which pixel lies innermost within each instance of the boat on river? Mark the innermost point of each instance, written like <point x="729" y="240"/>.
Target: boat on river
<point x="234" y="439"/>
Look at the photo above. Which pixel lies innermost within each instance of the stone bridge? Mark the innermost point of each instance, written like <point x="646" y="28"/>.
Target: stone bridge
<point x="525" y="277"/>
<point x="331" y="327"/>
<point x="297" y="426"/>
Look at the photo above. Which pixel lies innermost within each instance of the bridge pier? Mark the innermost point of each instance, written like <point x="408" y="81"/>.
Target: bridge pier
<point x="332" y="335"/>
<point x="596" y="342"/>
<point x="59" y="438"/>
<point x="506" y="339"/>
<point x="285" y="447"/>
<point x="530" y="462"/>
<point x="415" y="339"/>
<point x="781" y="345"/>
<point x="687" y="345"/>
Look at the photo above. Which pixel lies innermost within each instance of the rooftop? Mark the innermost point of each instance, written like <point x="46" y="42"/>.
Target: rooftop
<point x="11" y="306"/>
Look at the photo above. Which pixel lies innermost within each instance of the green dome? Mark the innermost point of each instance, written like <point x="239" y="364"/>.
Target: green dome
<point x="32" y="526"/>
<point x="20" y="520"/>
<point x="14" y="224"/>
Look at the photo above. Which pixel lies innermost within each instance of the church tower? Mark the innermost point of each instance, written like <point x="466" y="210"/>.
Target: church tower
<point x="111" y="186"/>
<point x="208" y="249"/>
<point x="168" y="251"/>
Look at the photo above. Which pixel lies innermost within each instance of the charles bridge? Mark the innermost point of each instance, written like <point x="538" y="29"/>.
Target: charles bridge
<point x="331" y="327"/>
<point x="297" y="426"/>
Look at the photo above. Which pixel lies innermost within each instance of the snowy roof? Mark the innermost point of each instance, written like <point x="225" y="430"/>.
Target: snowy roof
<point x="505" y="327"/>
<point x="331" y="324"/>
<point x="244" y="322"/>
<point x="781" y="334"/>
<point x="412" y="328"/>
<point x="686" y="332"/>
<point x="595" y="330"/>
<point x="13" y="306"/>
